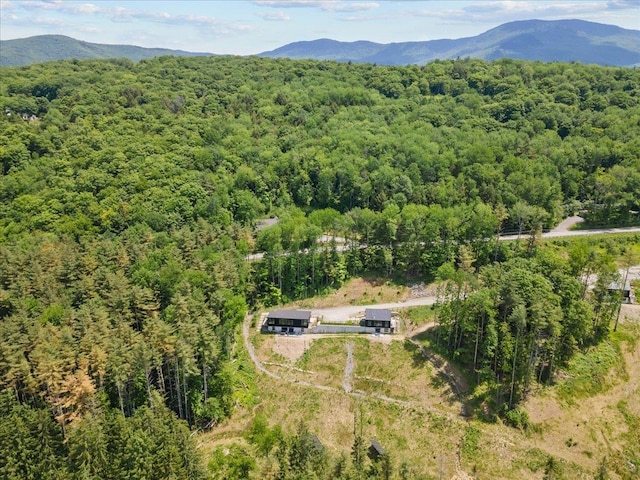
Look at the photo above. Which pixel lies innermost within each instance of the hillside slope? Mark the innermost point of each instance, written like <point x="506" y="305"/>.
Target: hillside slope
<point x="45" y="48"/>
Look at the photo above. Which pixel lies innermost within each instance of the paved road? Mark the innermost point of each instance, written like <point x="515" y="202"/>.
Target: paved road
<point x="562" y="230"/>
<point x="577" y="233"/>
<point x="568" y="223"/>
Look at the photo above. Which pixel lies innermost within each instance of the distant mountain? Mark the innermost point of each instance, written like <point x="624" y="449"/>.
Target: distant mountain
<point x="547" y="41"/>
<point x="44" y="48"/>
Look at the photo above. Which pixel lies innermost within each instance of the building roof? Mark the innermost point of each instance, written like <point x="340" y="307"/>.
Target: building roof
<point x="291" y="314"/>
<point x="377" y="314"/>
<point x="618" y="285"/>
<point x="376" y="447"/>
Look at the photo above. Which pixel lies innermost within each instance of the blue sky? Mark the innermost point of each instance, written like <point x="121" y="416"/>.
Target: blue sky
<point x="248" y="27"/>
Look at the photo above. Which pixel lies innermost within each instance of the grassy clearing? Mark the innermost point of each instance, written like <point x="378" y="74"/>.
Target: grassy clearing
<point x="359" y="291"/>
<point x="325" y="357"/>
<point x="588" y="372"/>
<point x="586" y="424"/>
<point x="597" y="369"/>
<point x="398" y="370"/>
<point x="416" y="316"/>
<point x="612" y="244"/>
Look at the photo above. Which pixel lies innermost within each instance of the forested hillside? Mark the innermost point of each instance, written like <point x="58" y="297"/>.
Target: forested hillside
<point x="47" y="48"/>
<point x="130" y="192"/>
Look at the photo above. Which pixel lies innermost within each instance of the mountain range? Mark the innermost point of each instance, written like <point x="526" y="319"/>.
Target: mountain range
<point x="547" y="41"/>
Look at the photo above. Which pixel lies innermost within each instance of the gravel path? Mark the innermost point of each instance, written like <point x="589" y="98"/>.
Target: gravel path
<point x="348" y="368"/>
<point x="567" y="223"/>
<point x="252" y="353"/>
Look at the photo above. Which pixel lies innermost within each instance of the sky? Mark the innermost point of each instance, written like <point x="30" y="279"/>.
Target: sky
<point x="248" y="27"/>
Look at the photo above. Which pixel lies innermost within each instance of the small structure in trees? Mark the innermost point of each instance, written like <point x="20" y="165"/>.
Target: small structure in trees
<point x="288" y="321"/>
<point x="378" y="320"/>
<point x="375" y="450"/>
<point x="616" y="288"/>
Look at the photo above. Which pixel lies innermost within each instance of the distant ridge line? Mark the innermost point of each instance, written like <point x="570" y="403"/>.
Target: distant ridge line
<point x="536" y="40"/>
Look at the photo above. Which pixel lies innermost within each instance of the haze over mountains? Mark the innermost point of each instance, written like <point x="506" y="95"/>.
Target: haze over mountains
<point x="560" y="40"/>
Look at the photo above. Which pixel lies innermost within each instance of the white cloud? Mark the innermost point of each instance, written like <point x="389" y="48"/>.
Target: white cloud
<point x="325" y="5"/>
<point x="509" y="10"/>
<point x="118" y="14"/>
<point x="624" y="5"/>
<point x="276" y="16"/>
<point x="289" y="3"/>
<point x="351" y="6"/>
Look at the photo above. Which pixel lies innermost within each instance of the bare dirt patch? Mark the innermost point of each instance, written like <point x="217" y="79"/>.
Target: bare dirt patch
<point x="360" y="291"/>
<point x="589" y="428"/>
<point x="630" y="313"/>
<point x="291" y="347"/>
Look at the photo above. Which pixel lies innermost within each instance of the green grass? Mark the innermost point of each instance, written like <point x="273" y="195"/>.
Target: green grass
<point x="588" y="372"/>
<point x="420" y="315"/>
<point x="613" y="244"/>
<point x="632" y="436"/>
<point x="471" y="441"/>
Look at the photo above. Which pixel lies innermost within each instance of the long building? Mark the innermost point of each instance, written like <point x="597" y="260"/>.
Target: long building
<point x="288" y="321"/>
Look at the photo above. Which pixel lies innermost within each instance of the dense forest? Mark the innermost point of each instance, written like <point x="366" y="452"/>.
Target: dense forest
<point x="130" y="193"/>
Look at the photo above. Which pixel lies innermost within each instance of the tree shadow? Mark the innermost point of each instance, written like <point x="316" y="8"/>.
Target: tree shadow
<point x="417" y="357"/>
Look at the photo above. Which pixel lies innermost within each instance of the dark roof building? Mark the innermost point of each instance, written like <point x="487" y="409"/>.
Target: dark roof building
<point x="379" y="319"/>
<point x="290" y="314"/>
<point x="382" y="314"/>
<point x="288" y="320"/>
<point x="375" y="450"/>
<point x="616" y="288"/>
